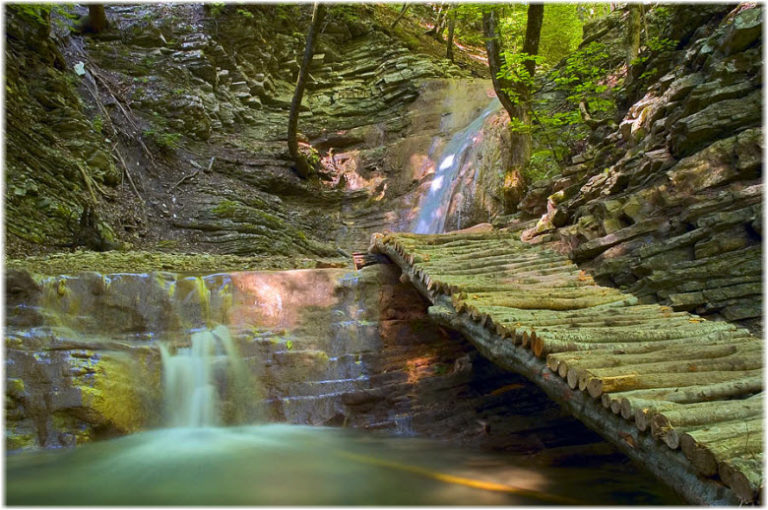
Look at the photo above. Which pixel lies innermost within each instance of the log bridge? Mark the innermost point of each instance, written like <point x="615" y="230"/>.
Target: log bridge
<point x="678" y="393"/>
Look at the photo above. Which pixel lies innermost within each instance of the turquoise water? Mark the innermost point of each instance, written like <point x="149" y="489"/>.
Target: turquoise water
<point x="299" y="465"/>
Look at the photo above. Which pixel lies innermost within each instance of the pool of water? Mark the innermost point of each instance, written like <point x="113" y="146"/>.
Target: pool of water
<point x="298" y="465"/>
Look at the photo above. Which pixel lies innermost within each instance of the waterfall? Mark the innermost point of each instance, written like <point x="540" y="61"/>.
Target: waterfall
<point x="434" y="205"/>
<point x="191" y="397"/>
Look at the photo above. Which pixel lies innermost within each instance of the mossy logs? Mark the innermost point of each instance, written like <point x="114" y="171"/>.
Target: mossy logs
<point x="679" y="377"/>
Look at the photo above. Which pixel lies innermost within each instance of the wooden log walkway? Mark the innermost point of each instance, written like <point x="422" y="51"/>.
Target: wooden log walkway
<point x="681" y="394"/>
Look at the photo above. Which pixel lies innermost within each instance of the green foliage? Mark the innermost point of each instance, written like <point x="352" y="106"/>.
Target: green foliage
<point x="513" y="69"/>
<point x="543" y="164"/>
<point x="654" y="45"/>
<point x="561" y="31"/>
<point x="312" y="156"/>
<point x="469" y="23"/>
<point x="582" y="78"/>
<point x="558" y="126"/>
<point x="216" y="8"/>
<point x="244" y="13"/>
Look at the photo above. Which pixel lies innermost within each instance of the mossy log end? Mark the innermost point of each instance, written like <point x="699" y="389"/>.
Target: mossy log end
<point x="705" y="447"/>
<point x="606" y="358"/>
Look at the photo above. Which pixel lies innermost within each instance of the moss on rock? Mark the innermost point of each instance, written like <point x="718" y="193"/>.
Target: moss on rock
<point x="145" y="261"/>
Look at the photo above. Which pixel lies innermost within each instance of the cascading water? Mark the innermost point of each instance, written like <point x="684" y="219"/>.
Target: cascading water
<point x="433" y="207"/>
<point x="191" y="398"/>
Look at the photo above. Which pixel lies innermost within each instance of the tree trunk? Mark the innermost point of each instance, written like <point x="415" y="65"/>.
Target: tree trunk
<point x="302" y="165"/>
<point x="632" y="36"/>
<point x="97" y="18"/>
<point x="437" y="30"/>
<point x="520" y="141"/>
<point x="451" y="28"/>
<point x="533" y="34"/>
<point x="500" y="84"/>
<point x="401" y="15"/>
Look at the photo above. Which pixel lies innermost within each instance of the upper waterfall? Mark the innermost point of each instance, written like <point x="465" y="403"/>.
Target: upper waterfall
<point x="433" y="207"/>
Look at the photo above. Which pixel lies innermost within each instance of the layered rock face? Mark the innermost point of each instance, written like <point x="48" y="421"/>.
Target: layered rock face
<point x="668" y="204"/>
<point x="172" y="125"/>
<point x="321" y="347"/>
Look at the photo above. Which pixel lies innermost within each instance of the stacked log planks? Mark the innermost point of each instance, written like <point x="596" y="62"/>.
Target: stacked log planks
<point x="693" y="384"/>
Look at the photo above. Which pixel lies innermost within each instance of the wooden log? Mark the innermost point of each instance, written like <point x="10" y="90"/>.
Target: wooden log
<point x="603" y="321"/>
<point x="586" y="314"/>
<point x="511" y="261"/>
<point x="463" y="251"/>
<point x="651" y="352"/>
<point x="644" y="414"/>
<point x="491" y="284"/>
<point x="525" y="339"/>
<point x="454" y="238"/>
<point x="703" y="447"/>
<point x="744" y="475"/>
<point x="548" y="346"/>
<point x="740" y="361"/>
<point x="632" y="333"/>
<point x="685" y="415"/>
<point x="550" y="303"/>
<point x="510" y="270"/>
<point x="572" y="376"/>
<point x="671" y="437"/>
<point x="630" y="400"/>
<point x="608" y="384"/>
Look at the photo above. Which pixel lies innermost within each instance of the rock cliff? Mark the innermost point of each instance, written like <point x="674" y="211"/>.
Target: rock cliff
<point x="666" y="201"/>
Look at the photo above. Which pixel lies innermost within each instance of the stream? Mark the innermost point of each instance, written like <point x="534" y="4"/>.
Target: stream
<point x="317" y="387"/>
<point x="298" y="465"/>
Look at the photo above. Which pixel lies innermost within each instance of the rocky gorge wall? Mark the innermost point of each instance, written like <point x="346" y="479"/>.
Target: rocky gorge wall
<point x="666" y="202"/>
<point x="171" y="127"/>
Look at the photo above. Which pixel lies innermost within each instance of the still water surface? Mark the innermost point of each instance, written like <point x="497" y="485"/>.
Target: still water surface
<point x="298" y="465"/>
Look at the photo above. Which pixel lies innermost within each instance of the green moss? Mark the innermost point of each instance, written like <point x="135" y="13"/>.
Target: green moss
<point x="14" y="386"/>
<point x="121" y="392"/>
<point x="144" y="261"/>
<point x="18" y="441"/>
<point x="225" y="209"/>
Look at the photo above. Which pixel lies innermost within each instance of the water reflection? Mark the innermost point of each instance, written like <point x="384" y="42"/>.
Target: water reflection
<point x="296" y="465"/>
